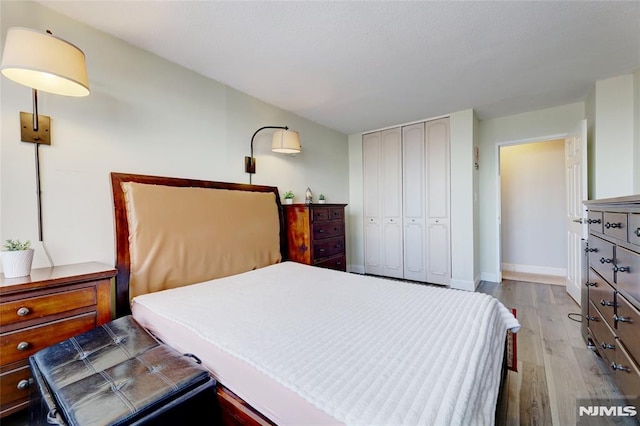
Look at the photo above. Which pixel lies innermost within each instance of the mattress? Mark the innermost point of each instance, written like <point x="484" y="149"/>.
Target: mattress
<point x="305" y="345"/>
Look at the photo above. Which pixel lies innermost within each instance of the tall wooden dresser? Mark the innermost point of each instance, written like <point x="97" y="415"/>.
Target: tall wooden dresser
<point x="614" y="287"/>
<point x="36" y="311"/>
<point x="316" y="234"/>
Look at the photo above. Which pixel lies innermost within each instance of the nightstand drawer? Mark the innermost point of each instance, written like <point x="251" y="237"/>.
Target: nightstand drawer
<point x="327" y="230"/>
<point x="327" y="248"/>
<point x="50" y="304"/>
<point x="18" y="345"/>
<point x="14" y="385"/>
<point x="339" y="263"/>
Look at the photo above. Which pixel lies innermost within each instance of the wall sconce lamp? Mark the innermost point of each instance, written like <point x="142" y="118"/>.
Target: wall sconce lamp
<point x="284" y="141"/>
<point x="42" y="62"/>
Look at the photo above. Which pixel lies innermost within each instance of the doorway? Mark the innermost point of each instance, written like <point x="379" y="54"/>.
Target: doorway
<point x="532" y="209"/>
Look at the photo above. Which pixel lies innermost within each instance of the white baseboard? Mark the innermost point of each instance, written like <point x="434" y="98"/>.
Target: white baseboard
<point x="356" y="269"/>
<point x="533" y="269"/>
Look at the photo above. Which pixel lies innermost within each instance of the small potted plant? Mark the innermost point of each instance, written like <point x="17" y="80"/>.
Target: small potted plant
<point x="17" y="258"/>
<point x="321" y="199"/>
<point x="288" y="197"/>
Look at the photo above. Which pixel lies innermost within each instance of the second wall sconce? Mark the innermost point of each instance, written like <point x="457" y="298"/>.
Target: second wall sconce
<point x="284" y="141"/>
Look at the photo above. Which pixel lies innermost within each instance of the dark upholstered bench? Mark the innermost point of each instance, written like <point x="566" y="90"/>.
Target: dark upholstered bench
<point x="118" y="374"/>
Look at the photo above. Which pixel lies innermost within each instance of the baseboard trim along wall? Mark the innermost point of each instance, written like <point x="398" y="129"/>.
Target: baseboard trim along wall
<point x="533" y="269"/>
<point x="356" y="269"/>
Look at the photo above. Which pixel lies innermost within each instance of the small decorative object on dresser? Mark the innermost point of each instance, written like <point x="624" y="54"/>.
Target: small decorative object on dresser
<point x="322" y="199"/>
<point x="316" y="235"/>
<point x="308" y="196"/>
<point x="613" y="295"/>
<point x="288" y="197"/>
<point x="50" y="305"/>
<point x="17" y="258"/>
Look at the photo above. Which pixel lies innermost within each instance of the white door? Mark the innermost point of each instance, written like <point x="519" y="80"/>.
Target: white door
<point x="372" y="214"/>
<point x="391" y="197"/>
<point x="413" y="159"/>
<point x="438" y="202"/>
<point x="576" y="172"/>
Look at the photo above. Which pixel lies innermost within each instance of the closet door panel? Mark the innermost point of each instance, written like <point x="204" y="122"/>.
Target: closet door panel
<point x="413" y="162"/>
<point x="391" y="162"/>
<point x="392" y="249"/>
<point x="439" y="264"/>
<point x="372" y="214"/>
<point x="437" y="140"/>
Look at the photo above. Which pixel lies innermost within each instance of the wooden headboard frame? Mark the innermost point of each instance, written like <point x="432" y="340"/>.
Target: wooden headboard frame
<point x="123" y="261"/>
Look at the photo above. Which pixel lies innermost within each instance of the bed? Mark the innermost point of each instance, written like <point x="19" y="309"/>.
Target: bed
<point x="201" y="265"/>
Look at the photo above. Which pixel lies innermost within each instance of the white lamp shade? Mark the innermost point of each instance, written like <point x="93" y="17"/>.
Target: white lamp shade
<point x="286" y="142"/>
<point x="44" y="62"/>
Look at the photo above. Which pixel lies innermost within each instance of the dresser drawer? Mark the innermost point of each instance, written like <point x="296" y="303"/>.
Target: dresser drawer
<point x="327" y="248"/>
<point x="601" y="257"/>
<point x="338" y="263"/>
<point x="595" y="221"/>
<point x="627" y="375"/>
<point x="605" y="339"/>
<point x="628" y="326"/>
<point x="322" y="230"/>
<point x="633" y="231"/>
<point x="615" y="225"/>
<point x="628" y="274"/>
<point x="327" y="213"/>
<point x="32" y="339"/>
<point x="38" y="307"/>
<point x="14" y="385"/>
<point x="602" y="295"/>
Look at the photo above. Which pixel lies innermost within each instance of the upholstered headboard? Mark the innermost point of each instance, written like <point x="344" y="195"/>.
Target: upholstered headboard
<point x="174" y="232"/>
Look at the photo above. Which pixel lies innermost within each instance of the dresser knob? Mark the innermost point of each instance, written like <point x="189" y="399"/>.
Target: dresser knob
<point x="617" y="318"/>
<point x="607" y="346"/>
<point x="23" y="384"/>
<point x="24" y="311"/>
<point x="637" y="232"/>
<point x="620" y="367"/>
<point x="590" y="221"/>
<point x="612" y="225"/>
<point x="594" y="319"/>
<point x="606" y="303"/>
<point x="22" y="346"/>
<point x="588" y="284"/>
<point x="617" y="268"/>
<point x="603" y="260"/>
<point x="590" y="250"/>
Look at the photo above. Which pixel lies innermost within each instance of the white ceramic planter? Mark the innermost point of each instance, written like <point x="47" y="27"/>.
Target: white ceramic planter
<point x="17" y="263"/>
<point x="288" y="200"/>
<point x="321" y="201"/>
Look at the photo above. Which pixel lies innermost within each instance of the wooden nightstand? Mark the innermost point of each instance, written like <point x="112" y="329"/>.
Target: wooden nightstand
<point x="316" y="236"/>
<point x="50" y="305"/>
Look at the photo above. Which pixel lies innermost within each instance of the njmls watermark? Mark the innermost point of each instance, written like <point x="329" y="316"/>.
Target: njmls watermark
<point x="607" y="411"/>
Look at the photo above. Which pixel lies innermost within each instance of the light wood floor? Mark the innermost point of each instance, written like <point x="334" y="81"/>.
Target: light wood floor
<point x="554" y="365"/>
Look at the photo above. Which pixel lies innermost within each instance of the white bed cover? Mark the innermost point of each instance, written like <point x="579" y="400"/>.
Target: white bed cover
<point x="305" y="345"/>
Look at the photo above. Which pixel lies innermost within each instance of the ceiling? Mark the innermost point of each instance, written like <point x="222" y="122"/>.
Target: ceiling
<point x="358" y="66"/>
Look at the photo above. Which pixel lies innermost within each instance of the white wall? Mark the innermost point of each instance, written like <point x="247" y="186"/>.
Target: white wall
<point x="533" y="198"/>
<point x="144" y="115"/>
<point x="535" y="125"/>
<point x="355" y="210"/>
<point x="614" y="138"/>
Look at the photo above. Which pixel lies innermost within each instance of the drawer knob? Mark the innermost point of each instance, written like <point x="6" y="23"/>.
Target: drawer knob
<point x="620" y="367"/>
<point x="590" y="221"/>
<point x="606" y="302"/>
<point x="607" y="346"/>
<point x="588" y="284"/>
<point x="612" y="225"/>
<point x="637" y="232"/>
<point x="603" y="260"/>
<point x="617" y="318"/>
<point x="617" y="268"/>
<point x="321" y="250"/>
<point x="591" y="250"/>
<point x="23" y="346"/>
<point x="594" y="319"/>
<point x="24" y="311"/>
<point x="320" y="231"/>
<point x="23" y="384"/>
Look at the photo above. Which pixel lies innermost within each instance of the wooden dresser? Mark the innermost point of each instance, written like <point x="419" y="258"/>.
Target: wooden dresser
<point x="316" y="234"/>
<point x="614" y="287"/>
<point x="36" y="311"/>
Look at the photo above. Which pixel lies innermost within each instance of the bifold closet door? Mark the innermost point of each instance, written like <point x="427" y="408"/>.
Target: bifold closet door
<point x="438" y="243"/>
<point x="382" y="154"/>
<point x="413" y="171"/>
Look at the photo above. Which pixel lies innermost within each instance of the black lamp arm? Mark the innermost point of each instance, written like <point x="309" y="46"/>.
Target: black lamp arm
<point x="262" y="128"/>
